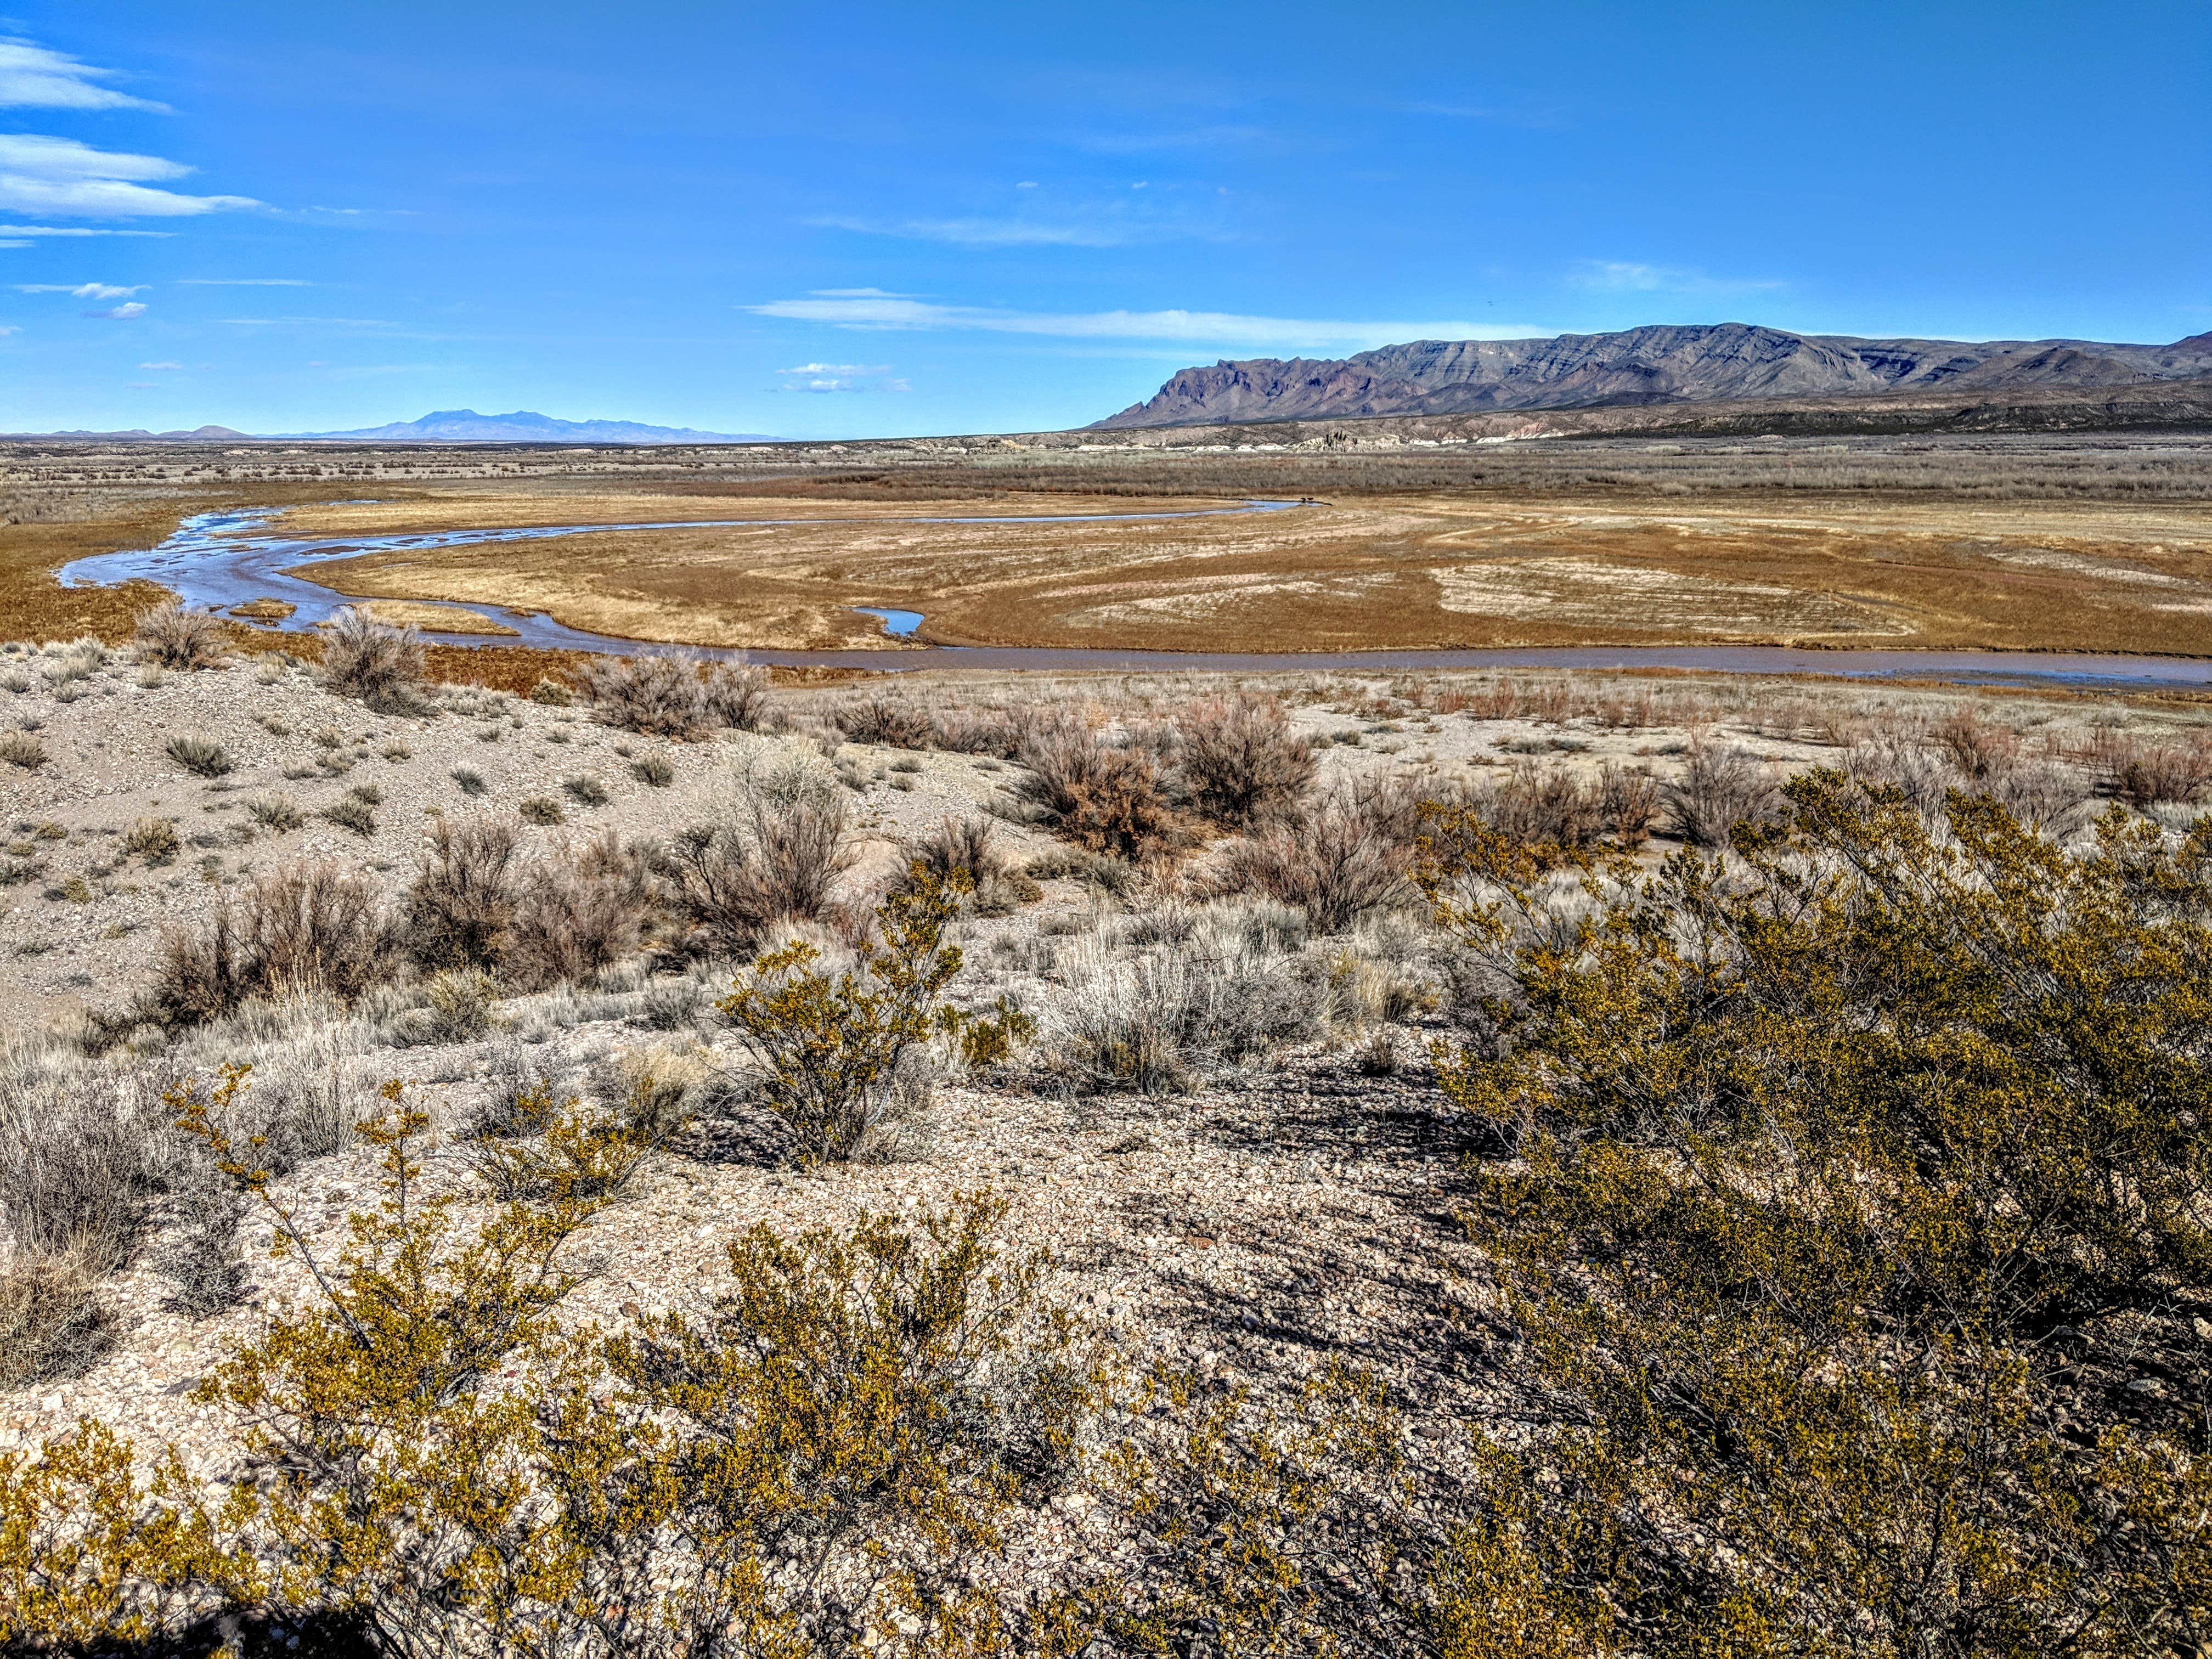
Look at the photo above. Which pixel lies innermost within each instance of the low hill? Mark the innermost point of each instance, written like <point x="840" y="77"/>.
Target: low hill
<point x="1724" y="361"/>
<point x="525" y="426"/>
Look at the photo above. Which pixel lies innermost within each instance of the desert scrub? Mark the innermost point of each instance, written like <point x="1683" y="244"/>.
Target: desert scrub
<point x="469" y="780"/>
<point x="153" y="840"/>
<point x="1104" y="797"/>
<point x="351" y="811"/>
<point x="309" y="929"/>
<point x="1862" y="1146"/>
<point x="380" y="665"/>
<point x="666" y="696"/>
<point x="656" y="771"/>
<point x="828" y="1050"/>
<point x="542" y="810"/>
<point x="768" y="858"/>
<point x="586" y="791"/>
<point x="21" y="748"/>
<point x="1239" y="761"/>
<point x="202" y="756"/>
<point x="170" y="636"/>
<point x="275" y="813"/>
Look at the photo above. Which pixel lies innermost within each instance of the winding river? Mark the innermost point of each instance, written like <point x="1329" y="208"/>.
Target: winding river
<point x="216" y="560"/>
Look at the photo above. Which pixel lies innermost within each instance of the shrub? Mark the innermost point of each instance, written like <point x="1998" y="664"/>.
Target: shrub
<point x="2162" y="774"/>
<point x="460" y="909"/>
<point x="735" y="695"/>
<point x="653" y="770"/>
<point x="21" y="748"/>
<point x="202" y="755"/>
<point x="310" y="929"/>
<point x="587" y="791"/>
<point x="174" y="637"/>
<point x="659" y="696"/>
<point x="155" y="840"/>
<point x="275" y="813"/>
<point x="1824" y="1168"/>
<point x="884" y="721"/>
<point x="1337" y="863"/>
<point x="829" y="1050"/>
<point x="551" y="693"/>
<point x="542" y="811"/>
<point x="769" y="859"/>
<point x="469" y="780"/>
<point x="581" y="911"/>
<point x="1160" y="1020"/>
<point x="351" y="811"/>
<point x="963" y="851"/>
<point x="457" y="1006"/>
<point x="53" y="1324"/>
<point x="1719" y="789"/>
<point x="1240" y="761"/>
<point x="1100" y="796"/>
<point x="1978" y="749"/>
<point x="379" y="664"/>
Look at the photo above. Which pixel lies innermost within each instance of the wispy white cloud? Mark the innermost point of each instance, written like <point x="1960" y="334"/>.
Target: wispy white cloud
<point x="1628" y="277"/>
<point x="840" y="377"/>
<point x="119" y="314"/>
<point x="1219" y="137"/>
<point x="82" y="290"/>
<point x="1197" y="327"/>
<point x="837" y="368"/>
<point x="75" y="230"/>
<point x="6" y="329"/>
<point x="39" y="174"/>
<point x="243" y="281"/>
<point x="160" y="365"/>
<point x="36" y="77"/>
<point x="1137" y="216"/>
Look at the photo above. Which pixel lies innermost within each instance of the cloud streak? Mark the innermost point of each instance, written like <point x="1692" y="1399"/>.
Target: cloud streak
<point x="82" y="290"/>
<point x="1627" y="276"/>
<point x="61" y="176"/>
<point x="1195" y="327"/>
<point x="32" y="76"/>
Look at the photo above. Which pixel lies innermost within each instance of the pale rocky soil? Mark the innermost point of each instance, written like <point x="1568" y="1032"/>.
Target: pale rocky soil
<point x="1274" y="1220"/>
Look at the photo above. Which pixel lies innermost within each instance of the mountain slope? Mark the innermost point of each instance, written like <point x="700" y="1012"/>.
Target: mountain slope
<point x="465" y="426"/>
<point x="1653" y="364"/>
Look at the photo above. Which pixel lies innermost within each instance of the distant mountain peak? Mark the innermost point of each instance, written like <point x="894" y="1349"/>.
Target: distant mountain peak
<point x="525" y="426"/>
<point x="1655" y="364"/>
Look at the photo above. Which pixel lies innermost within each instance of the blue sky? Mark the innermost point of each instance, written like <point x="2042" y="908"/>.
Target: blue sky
<point x="890" y="219"/>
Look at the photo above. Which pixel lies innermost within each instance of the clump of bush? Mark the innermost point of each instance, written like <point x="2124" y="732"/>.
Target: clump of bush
<point x="1343" y="859"/>
<point x="669" y="697"/>
<point x="310" y="929"/>
<point x="884" y="721"/>
<point x="1833" y="1180"/>
<point x="172" y="636"/>
<point x="155" y="840"/>
<point x="354" y="812"/>
<point x="964" y="853"/>
<point x="1719" y="789"/>
<point x="1239" y="761"/>
<point x="21" y="748"/>
<point x="542" y="810"/>
<point x="1102" y="796"/>
<point x="379" y="664"/>
<point x="203" y="756"/>
<point x="275" y="813"/>
<point x="767" y="860"/>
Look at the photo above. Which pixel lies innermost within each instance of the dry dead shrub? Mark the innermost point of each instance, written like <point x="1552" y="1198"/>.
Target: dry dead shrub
<point x="1102" y="796"/>
<point x="152" y="838"/>
<point x="2146" y="774"/>
<point x="1337" y="862"/>
<point x="735" y="695"/>
<point x="885" y="721"/>
<point x="582" y="910"/>
<point x="997" y="732"/>
<point x="53" y="1323"/>
<point x="1977" y="747"/>
<point x="460" y="907"/>
<point x="174" y="637"/>
<point x="657" y="696"/>
<point x="308" y="930"/>
<point x="769" y="858"/>
<point x="964" y="853"/>
<point x="1239" y="760"/>
<point x="379" y="664"/>
<point x="21" y="748"/>
<point x="672" y="696"/>
<point x="1719" y="789"/>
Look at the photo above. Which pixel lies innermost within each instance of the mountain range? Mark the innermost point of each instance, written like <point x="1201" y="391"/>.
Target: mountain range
<point x="1652" y="365"/>
<point x="443" y="426"/>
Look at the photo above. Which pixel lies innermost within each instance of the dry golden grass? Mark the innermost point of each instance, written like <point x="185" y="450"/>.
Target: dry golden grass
<point x="1431" y="570"/>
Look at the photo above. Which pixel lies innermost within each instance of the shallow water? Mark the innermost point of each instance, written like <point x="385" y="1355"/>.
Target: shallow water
<point x="213" y="560"/>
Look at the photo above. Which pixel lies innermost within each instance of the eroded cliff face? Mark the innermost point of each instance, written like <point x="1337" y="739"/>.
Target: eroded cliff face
<point x="1642" y="365"/>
